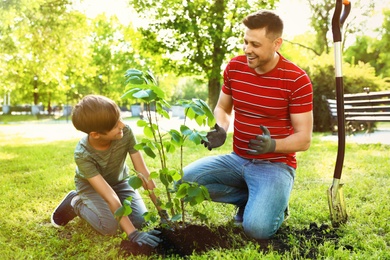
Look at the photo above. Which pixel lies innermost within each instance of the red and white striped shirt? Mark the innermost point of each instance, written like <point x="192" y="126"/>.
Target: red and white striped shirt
<point x="266" y="99"/>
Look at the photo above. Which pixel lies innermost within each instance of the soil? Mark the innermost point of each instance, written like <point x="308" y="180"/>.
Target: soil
<point x="199" y="238"/>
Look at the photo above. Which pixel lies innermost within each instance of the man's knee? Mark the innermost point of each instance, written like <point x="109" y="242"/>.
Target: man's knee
<point x="259" y="230"/>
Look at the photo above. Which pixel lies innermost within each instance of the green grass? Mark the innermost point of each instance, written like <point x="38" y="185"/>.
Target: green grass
<point x="35" y="177"/>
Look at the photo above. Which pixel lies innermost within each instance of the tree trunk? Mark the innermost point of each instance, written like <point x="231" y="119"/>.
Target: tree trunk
<point x="214" y="90"/>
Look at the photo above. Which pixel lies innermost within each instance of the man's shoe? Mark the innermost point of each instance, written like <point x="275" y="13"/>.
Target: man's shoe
<point x="64" y="211"/>
<point x="239" y="217"/>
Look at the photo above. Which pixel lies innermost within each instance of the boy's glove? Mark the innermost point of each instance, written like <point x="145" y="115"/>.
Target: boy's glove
<point x="262" y="144"/>
<point x="145" y="238"/>
<point x="215" y="138"/>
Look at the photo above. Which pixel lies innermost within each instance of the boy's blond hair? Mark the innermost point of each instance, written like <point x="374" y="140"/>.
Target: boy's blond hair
<point x="95" y="113"/>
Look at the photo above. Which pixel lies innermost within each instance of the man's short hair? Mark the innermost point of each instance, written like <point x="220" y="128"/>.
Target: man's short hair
<point x="95" y="113"/>
<point x="272" y="23"/>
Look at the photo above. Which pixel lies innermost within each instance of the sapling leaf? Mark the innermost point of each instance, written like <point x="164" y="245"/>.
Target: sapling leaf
<point x="141" y="94"/>
<point x="127" y="206"/>
<point x="153" y="175"/>
<point x="129" y="93"/>
<point x="205" y="192"/>
<point x="176" y="137"/>
<point x="195" y="138"/>
<point x="148" y="131"/>
<point x="185" y="130"/>
<point x="193" y="191"/>
<point x="119" y="213"/>
<point x="182" y="191"/>
<point x="197" y="110"/>
<point x="149" y="152"/>
<point x="176" y="217"/>
<point x="169" y="147"/>
<point x="163" y="179"/>
<point x="135" y="80"/>
<point x="142" y="123"/>
<point x="135" y="182"/>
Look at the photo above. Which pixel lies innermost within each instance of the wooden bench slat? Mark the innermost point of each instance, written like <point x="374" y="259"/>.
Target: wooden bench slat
<point x="362" y="107"/>
<point x="370" y="95"/>
<point x="368" y="118"/>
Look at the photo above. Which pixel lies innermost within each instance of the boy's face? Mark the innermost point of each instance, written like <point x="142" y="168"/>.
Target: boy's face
<point x="115" y="133"/>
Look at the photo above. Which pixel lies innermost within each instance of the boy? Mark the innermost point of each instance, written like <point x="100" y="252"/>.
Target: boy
<point x="101" y="173"/>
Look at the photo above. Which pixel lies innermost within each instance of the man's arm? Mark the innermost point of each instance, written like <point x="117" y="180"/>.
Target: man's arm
<point x="301" y="139"/>
<point x="223" y="110"/>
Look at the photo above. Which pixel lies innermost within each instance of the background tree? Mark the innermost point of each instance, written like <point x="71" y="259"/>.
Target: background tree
<point x="320" y="21"/>
<point x="375" y="51"/>
<point x="35" y="54"/>
<point x="198" y="36"/>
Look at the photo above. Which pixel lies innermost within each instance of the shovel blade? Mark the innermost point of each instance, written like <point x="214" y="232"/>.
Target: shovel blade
<point x="337" y="208"/>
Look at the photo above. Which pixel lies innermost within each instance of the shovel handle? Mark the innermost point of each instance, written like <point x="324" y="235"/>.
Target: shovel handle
<point x="337" y="22"/>
<point x="339" y="19"/>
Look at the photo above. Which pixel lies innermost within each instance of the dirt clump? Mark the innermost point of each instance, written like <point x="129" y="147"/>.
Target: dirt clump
<point x="185" y="241"/>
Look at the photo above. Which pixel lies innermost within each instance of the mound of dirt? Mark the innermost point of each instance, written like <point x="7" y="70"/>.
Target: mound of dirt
<point x="199" y="238"/>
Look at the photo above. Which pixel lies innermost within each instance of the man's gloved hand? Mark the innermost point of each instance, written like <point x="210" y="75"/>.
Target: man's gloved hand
<point x="262" y="144"/>
<point x="145" y="238"/>
<point x="215" y="137"/>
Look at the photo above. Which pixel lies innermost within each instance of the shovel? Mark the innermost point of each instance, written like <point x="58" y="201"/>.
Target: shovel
<point x="338" y="213"/>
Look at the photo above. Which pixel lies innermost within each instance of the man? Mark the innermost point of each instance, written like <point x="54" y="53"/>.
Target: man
<point x="272" y="101"/>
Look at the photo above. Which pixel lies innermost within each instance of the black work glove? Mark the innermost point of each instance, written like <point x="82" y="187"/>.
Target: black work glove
<point x="145" y="238"/>
<point x="262" y="144"/>
<point x="215" y="137"/>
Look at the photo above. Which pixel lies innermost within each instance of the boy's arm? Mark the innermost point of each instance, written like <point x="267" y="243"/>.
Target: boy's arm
<point x="140" y="166"/>
<point x="108" y="194"/>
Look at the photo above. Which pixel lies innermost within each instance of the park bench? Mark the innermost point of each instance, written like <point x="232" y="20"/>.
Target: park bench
<point x="361" y="110"/>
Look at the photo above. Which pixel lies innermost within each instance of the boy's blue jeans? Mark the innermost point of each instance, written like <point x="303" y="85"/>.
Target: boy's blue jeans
<point x="94" y="209"/>
<point x="262" y="187"/>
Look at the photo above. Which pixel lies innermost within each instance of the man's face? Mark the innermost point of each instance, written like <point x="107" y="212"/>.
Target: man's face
<point x="259" y="49"/>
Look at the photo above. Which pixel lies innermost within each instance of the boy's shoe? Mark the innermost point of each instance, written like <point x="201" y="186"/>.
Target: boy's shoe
<point x="64" y="211"/>
<point x="239" y="217"/>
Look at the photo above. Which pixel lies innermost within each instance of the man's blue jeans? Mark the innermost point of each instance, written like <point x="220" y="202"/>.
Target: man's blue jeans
<point x="262" y="187"/>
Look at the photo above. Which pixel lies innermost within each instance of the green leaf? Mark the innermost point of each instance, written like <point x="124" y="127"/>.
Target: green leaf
<point x="148" y="131"/>
<point x="194" y="191"/>
<point x="130" y="93"/>
<point x="170" y="148"/>
<point x="185" y="130"/>
<point x="164" y="180"/>
<point x="182" y="191"/>
<point x="133" y="72"/>
<point x="176" y="137"/>
<point x="149" y="151"/>
<point x="141" y="94"/>
<point x="119" y="213"/>
<point x="195" y="138"/>
<point x="197" y="110"/>
<point x="142" y="123"/>
<point x="153" y="175"/>
<point x="176" y="217"/>
<point x="135" y="80"/>
<point x="135" y="182"/>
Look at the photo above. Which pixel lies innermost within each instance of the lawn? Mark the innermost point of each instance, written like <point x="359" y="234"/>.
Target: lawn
<point x="35" y="177"/>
